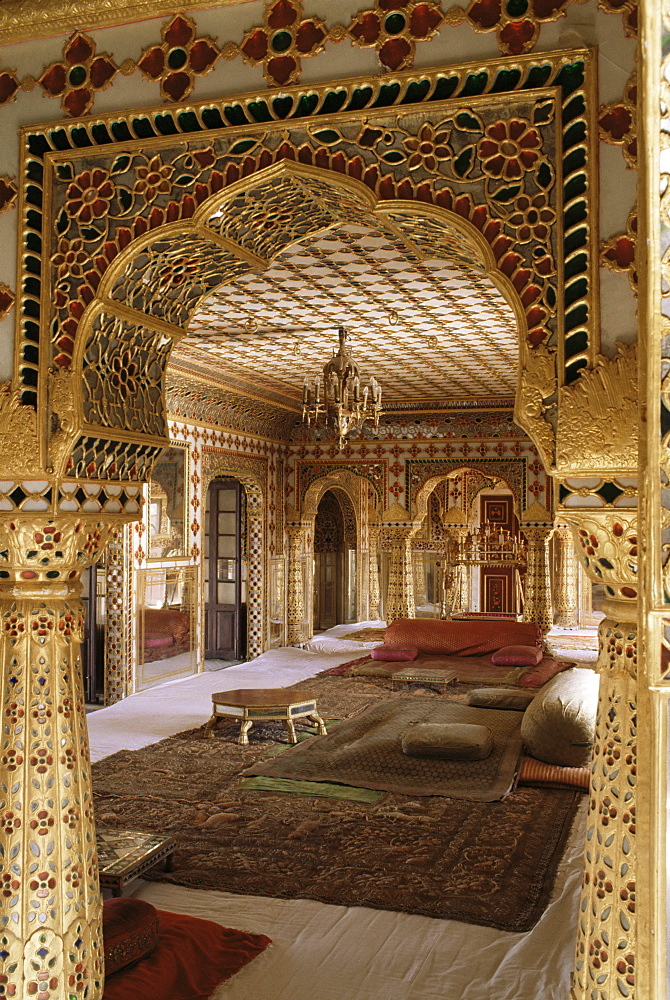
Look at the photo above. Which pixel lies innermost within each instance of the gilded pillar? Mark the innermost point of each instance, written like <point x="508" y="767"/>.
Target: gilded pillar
<point x="537" y="527"/>
<point x="607" y="932"/>
<point x="374" y="532"/>
<point x="51" y="906"/>
<point x="295" y="602"/>
<point x="398" y="536"/>
<point x="456" y="578"/>
<point x="565" y="581"/>
<point x="456" y="590"/>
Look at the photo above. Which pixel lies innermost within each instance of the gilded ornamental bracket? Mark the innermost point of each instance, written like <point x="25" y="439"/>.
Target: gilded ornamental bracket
<point x="598" y="416"/>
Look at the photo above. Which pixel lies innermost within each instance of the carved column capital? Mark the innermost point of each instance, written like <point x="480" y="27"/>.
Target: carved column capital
<point x="606" y="544"/>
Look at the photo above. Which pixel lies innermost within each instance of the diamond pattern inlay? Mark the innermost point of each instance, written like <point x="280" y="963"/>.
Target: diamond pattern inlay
<point x="424" y="325"/>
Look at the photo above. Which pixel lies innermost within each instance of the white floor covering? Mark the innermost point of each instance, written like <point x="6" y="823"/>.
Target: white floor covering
<point x="347" y="953"/>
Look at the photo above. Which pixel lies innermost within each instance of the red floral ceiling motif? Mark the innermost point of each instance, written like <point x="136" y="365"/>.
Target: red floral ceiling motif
<point x="77" y="78"/>
<point x="619" y="253"/>
<point x="284" y="38"/>
<point x="394" y="26"/>
<point x="8" y="193"/>
<point x="618" y="123"/>
<point x="628" y="11"/>
<point x="516" y="22"/>
<point x="179" y="59"/>
<point x="9" y="84"/>
<point x="6" y="300"/>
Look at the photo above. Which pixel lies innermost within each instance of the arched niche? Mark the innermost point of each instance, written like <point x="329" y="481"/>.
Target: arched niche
<point x="351" y="492"/>
<point x="114" y="333"/>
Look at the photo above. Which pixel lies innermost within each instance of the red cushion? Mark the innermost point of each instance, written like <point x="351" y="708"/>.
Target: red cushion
<point x="389" y="654"/>
<point x="129" y="932"/>
<point x="517" y="656"/>
<point x="192" y="957"/>
<point x="464" y="638"/>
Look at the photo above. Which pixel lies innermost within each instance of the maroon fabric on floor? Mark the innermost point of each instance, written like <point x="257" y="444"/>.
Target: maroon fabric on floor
<point x="192" y="957"/>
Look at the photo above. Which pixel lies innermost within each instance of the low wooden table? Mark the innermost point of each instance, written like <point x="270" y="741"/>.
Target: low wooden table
<point x="124" y="855"/>
<point x="419" y="675"/>
<point x="260" y="705"/>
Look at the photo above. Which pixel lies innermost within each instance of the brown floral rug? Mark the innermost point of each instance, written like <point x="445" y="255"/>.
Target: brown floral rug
<point x="490" y="863"/>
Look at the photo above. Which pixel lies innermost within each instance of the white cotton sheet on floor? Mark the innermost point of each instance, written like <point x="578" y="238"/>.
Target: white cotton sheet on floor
<point x="330" y="641"/>
<point x="158" y="712"/>
<point x="336" y="952"/>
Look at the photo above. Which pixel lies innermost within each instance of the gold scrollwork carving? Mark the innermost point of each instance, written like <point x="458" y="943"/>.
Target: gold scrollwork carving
<point x="19" y="444"/>
<point x="64" y="424"/>
<point x="537" y="384"/>
<point x="598" y="416"/>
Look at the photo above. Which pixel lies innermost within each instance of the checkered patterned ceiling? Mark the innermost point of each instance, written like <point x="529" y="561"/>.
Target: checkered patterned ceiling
<point x="427" y="328"/>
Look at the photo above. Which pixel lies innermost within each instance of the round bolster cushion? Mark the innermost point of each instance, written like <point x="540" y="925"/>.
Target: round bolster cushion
<point x="394" y="655"/>
<point x="450" y="741"/>
<point x="129" y="931"/>
<point x="558" y="727"/>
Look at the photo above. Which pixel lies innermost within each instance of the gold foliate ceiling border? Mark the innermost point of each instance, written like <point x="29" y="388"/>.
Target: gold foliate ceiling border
<point x="129" y="219"/>
<point x="21" y="20"/>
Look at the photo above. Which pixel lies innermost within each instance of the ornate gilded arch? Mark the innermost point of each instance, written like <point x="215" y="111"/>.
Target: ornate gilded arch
<point x="512" y="473"/>
<point x="129" y="219"/>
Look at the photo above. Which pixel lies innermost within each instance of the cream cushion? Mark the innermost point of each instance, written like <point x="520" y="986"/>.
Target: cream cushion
<point x="450" y="741"/>
<point x="510" y="699"/>
<point x="558" y="726"/>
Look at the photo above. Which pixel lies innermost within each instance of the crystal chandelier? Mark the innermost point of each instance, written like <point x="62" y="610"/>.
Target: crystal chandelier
<point x="340" y="404"/>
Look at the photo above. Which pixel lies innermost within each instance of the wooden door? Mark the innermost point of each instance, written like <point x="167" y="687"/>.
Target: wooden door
<point x="223" y="617"/>
<point x="93" y="646"/>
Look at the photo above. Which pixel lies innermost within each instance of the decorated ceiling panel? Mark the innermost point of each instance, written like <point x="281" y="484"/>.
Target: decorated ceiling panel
<point x="426" y="327"/>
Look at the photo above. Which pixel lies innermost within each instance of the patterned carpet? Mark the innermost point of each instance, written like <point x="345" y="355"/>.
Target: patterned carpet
<point x="485" y="863"/>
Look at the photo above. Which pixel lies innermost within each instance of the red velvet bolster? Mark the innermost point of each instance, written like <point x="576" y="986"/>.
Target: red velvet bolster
<point x="390" y="655"/>
<point x="517" y="656"/>
<point x="129" y="932"/>
<point x="192" y="957"/>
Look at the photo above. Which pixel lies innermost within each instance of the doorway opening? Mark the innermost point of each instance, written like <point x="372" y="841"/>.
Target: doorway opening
<point x="225" y="568"/>
<point x="334" y="562"/>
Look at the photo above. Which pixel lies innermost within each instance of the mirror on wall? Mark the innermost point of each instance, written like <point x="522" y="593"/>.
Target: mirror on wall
<point x="168" y="505"/>
<point x="166" y="634"/>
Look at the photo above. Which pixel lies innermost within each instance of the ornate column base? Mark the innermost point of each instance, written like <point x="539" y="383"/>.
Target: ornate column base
<point x="400" y="595"/>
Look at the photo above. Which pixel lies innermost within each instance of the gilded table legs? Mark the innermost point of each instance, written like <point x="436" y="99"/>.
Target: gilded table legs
<point x="318" y="721"/>
<point x="245" y="726"/>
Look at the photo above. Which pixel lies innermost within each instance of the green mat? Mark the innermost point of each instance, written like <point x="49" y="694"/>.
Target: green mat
<point x="324" y="789"/>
